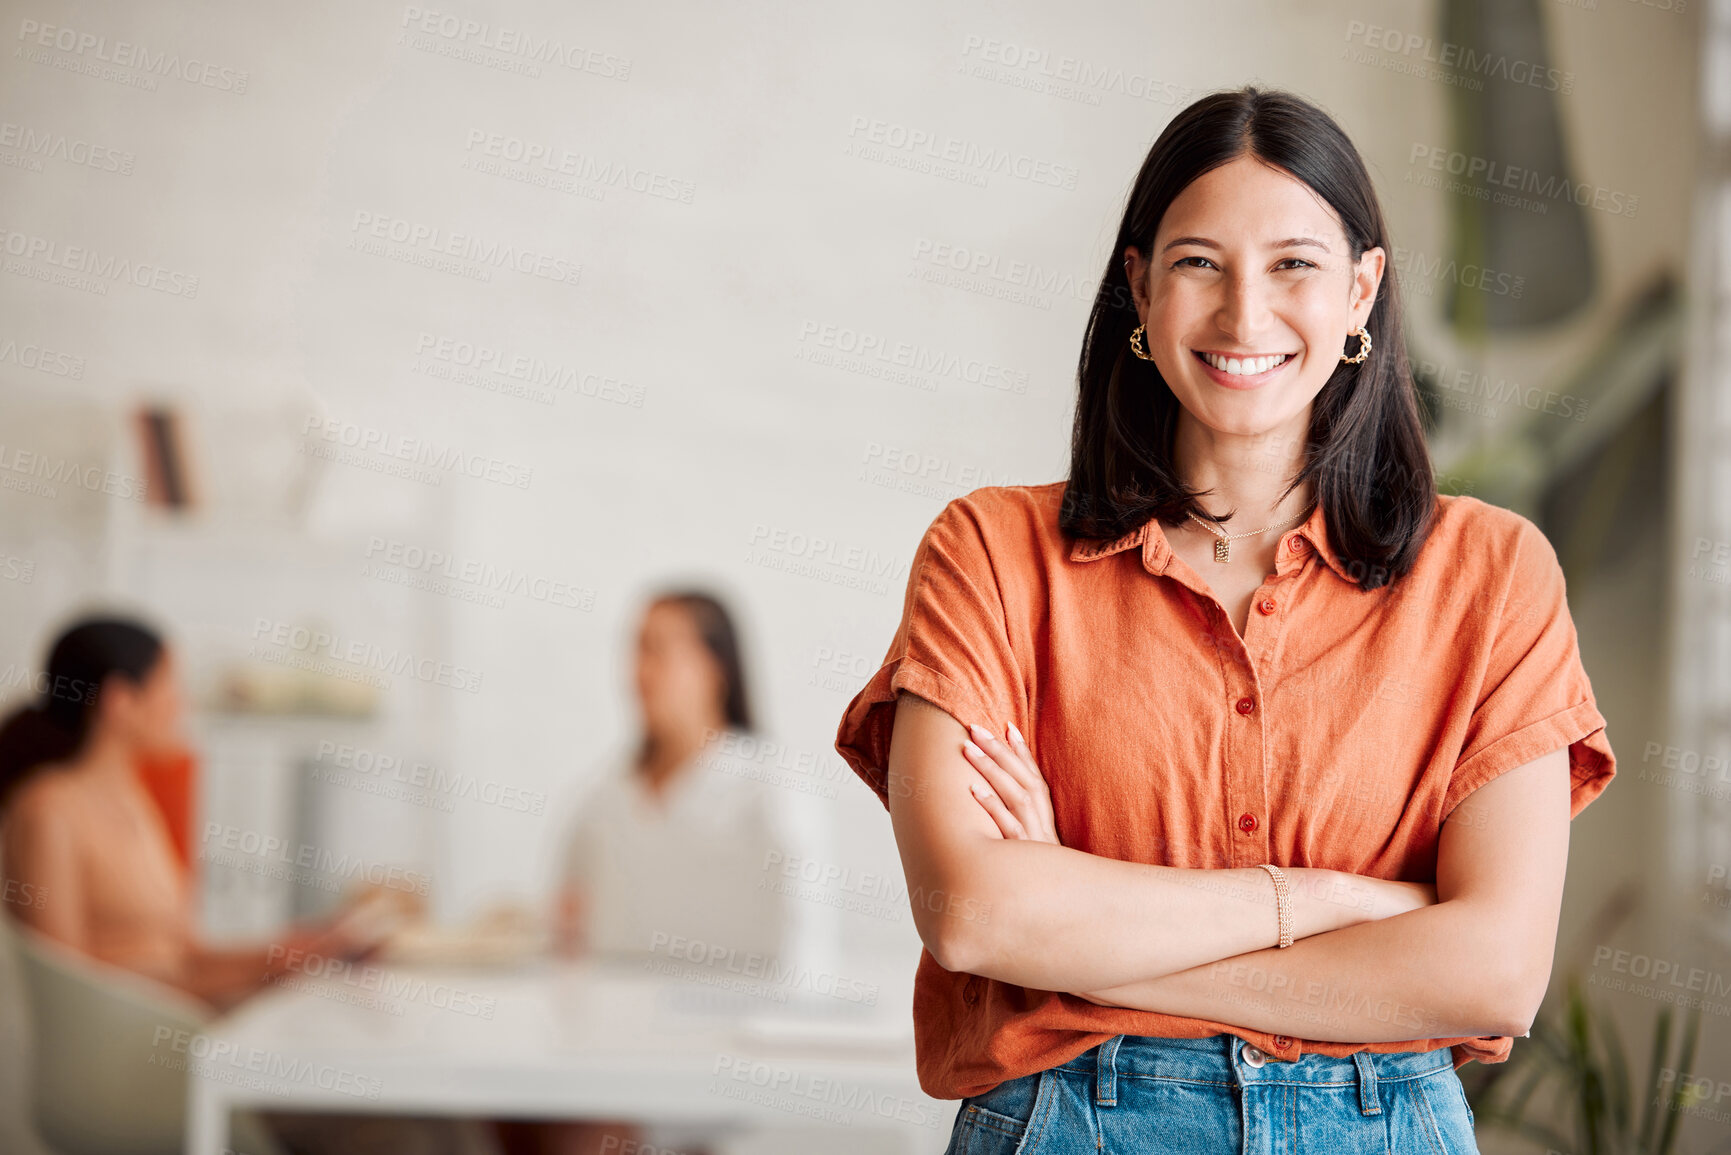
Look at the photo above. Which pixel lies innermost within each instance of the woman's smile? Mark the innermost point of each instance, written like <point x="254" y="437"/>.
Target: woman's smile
<point x="1243" y="370"/>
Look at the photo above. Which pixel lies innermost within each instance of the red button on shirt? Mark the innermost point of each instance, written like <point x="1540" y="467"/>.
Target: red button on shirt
<point x="1247" y="822"/>
<point x="1266" y="605"/>
<point x="1282" y="1041"/>
<point x="1245" y="705"/>
<point x="1299" y="544"/>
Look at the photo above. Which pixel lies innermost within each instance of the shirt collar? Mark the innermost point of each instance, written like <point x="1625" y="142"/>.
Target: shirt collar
<point x="1157" y="551"/>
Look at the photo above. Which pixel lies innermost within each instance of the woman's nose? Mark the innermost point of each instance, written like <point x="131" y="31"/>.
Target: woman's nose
<point x="1243" y="310"/>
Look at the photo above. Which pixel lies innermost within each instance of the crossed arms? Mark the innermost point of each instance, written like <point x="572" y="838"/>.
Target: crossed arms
<point x="1385" y="961"/>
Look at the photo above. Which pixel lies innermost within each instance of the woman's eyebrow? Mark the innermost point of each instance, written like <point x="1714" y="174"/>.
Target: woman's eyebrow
<point x="1205" y="243"/>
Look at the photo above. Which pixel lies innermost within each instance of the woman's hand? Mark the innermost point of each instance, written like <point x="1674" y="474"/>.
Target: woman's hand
<point x="570" y="922"/>
<point x="365" y="923"/>
<point x="1013" y="791"/>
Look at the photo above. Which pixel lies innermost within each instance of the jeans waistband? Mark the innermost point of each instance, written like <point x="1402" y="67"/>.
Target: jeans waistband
<point x="1227" y="1059"/>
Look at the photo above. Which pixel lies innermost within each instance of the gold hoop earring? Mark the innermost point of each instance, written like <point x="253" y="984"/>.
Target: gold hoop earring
<point x="1363" y="346"/>
<point x="1136" y="343"/>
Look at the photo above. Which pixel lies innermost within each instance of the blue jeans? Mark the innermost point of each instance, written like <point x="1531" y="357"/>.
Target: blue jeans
<point x="1154" y="1096"/>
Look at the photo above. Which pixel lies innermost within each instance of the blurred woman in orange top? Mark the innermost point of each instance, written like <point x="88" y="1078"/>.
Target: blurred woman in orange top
<point x="80" y="833"/>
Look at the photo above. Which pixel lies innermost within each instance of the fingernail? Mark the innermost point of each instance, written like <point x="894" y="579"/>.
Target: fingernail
<point x="973" y="749"/>
<point x="976" y="728"/>
<point x="974" y="789"/>
<point x="1016" y="734"/>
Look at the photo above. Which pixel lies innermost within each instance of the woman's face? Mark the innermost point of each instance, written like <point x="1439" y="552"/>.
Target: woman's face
<point x="677" y="676"/>
<point x="148" y="714"/>
<point x="1249" y="295"/>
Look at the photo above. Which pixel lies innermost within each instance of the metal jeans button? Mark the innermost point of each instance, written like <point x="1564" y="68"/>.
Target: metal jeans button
<point x="1252" y="1055"/>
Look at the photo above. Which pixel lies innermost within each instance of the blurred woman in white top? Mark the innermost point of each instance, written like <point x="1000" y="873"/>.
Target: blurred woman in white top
<point x="673" y="848"/>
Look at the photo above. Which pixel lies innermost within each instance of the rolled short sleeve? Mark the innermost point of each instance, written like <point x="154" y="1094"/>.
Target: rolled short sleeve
<point x="951" y="648"/>
<point x="1535" y="696"/>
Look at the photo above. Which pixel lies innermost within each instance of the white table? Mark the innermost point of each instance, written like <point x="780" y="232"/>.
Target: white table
<point x="561" y="1040"/>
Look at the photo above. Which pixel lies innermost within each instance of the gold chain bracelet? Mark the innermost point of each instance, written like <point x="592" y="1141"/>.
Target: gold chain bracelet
<point x="1282" y="902"/>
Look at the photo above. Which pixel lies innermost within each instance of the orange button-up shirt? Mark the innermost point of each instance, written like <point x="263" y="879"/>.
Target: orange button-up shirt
<point x="1338" y="732"/>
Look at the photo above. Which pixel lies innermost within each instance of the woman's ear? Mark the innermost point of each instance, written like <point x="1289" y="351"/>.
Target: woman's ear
<point x="116" y="702"/>
<point x="1136" y="272"/>
<point x="1366" y="281"/>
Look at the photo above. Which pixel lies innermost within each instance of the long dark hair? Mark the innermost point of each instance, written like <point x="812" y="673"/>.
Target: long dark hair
<point x="715" y="627"/>
<point x="56" y="724"/>
<point x="1365" y="451"/>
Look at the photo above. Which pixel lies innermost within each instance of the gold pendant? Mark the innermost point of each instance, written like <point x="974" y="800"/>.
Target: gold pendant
<point x="1222" y="550"/>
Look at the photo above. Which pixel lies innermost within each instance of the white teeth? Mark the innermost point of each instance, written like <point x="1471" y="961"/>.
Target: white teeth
<point x="1244" y="366"/>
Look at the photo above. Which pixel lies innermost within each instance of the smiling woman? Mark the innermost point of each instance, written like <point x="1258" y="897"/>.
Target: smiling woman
<point x="1284" y="842"/>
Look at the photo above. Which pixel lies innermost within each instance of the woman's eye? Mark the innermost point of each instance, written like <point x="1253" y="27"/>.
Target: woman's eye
<point x="1201" y="261"/>
<point x="1295" y="263"/>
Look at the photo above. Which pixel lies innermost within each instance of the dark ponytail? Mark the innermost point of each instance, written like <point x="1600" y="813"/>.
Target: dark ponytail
<point x="54" y="726"/>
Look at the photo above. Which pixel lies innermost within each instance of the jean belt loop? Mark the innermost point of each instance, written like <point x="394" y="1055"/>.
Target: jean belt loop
<point x="1106" y="1072"/>
<point x="1367" y="1099"/>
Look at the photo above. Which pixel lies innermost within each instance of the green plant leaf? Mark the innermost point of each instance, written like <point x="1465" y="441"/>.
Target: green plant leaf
<point x="1655" y="1066"/>
<point x="1616" y="1073"/>
<point x="1691" y="1028"/>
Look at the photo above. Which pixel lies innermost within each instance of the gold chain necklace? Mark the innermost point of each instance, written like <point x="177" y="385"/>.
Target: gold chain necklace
<point x="1223" y="544"/>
